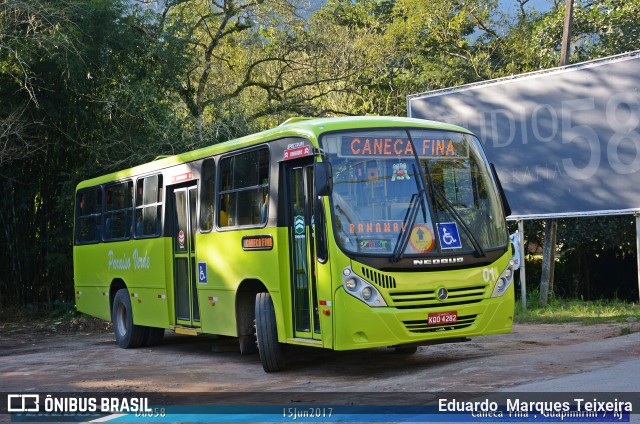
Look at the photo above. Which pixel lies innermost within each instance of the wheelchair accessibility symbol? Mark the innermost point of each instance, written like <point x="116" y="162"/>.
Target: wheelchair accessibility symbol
<point x="449" y="236"/>
<point x="202" y="272"/>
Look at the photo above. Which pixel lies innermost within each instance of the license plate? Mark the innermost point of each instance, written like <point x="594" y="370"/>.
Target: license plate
<point x="442" y="318"/>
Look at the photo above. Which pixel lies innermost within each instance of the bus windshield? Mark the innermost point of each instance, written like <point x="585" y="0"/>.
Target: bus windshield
<point x="387" y="203"/>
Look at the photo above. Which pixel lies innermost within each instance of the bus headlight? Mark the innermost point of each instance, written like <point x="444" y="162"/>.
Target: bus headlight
<point x="501" y="284"/>
<point x="351" y="284"/>
<point x="361" y="289"/>
<point x="507" y="273"/>
<point x="504" y="281"/>
<point x="367" y="293"/>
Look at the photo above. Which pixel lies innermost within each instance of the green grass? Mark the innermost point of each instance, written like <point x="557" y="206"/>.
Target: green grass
<point x="585" y="312"/>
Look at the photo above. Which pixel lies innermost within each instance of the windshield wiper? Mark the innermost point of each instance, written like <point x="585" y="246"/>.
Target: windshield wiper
<point x="435" y="193"/>
<point x="418" y="199"/>
<point x="410" y="219"/>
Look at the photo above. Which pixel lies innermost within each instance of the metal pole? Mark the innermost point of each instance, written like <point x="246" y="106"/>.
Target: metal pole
<point x="638" y="249"/>
<point x="548" y="261"/>
<point x="523" y="274"/>
<point x="566" y="34"/>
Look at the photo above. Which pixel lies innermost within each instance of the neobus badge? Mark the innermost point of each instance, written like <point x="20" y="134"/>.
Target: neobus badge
<point x="438" y="261"/>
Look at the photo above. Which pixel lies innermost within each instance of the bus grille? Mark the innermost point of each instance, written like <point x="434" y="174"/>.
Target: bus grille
<point x="382" y="280"/>
<point x="422" y="326"/>
<point x="429" y="299"/>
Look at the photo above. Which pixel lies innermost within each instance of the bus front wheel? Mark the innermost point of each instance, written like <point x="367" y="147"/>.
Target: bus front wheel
<point x="128" y="335"/>
<point x="270" y="350"/>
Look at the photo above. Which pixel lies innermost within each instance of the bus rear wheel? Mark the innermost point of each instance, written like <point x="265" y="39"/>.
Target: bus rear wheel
<point x="269" y="348"/>
<point x="128" y="335"/>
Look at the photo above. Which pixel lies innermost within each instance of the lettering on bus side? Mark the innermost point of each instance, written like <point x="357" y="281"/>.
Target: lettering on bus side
<point x="123" y="262"/>
<point x="438" y="261"/>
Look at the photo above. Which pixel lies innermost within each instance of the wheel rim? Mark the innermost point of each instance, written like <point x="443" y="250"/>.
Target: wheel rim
<point x="121" y="320"/>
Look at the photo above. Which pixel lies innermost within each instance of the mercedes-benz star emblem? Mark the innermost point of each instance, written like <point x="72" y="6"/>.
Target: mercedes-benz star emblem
<point x="443" y="294"/>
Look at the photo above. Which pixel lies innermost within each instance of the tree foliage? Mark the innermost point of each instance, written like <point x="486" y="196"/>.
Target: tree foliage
<point x="89" y="87"/>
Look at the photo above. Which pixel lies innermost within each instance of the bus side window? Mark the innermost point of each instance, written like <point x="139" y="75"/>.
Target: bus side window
<point x="148" y="222"/>
<point x="244" y="189"/>
<point x="207" y="195"/>
<point x="225" y="185"/>
<point x="89" y="215"/>
<point x="117" y="216"/>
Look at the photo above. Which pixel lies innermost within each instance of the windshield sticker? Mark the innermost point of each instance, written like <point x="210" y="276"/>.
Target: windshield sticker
<point x="449" y="236"/>
<point x="368" y="246"/>
<point x="421" y="238"/>
<point x="400" y="172"/>
<point x="401" y="147"/>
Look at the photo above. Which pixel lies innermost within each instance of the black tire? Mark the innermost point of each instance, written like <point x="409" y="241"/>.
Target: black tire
<point x="153" y="337"/>
<point x="270" y="350"/>
<point x="128" y="335"/>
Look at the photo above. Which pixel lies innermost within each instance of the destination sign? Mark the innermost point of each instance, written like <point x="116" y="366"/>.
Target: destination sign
<point x="359" y="146"/>
<point x="260" y="242"/>
<point x="376" y="227"/>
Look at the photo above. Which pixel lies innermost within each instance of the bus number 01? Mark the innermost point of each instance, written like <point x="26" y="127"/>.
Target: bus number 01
<point x="488" y="274"/>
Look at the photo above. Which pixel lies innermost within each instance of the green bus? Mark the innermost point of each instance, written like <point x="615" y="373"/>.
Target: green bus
<point x="337" y="233"/>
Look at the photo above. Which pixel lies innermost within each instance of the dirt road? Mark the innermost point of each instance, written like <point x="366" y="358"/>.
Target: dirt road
<point x="93" y="362"/>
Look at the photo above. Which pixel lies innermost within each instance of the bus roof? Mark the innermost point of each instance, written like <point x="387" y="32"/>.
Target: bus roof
<point x="309" y="128"/>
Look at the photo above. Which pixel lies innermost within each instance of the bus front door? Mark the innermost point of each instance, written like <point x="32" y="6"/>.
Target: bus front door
<point x="303" y="256"/>
<point x="184" y="255"/>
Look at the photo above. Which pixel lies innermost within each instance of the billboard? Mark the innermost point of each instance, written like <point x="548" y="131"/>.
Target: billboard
<point x="565" y="142"/>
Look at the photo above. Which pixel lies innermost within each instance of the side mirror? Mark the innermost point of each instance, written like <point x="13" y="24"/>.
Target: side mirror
<point x="517" y="256"/>
<point x="323" y="178"/>
<point x="503" y="196"/>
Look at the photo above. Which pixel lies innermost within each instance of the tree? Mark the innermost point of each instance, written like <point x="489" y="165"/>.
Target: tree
<point x="78" y="89"/>
<point x="25" y="28"/>
<point x="209" y="41"/>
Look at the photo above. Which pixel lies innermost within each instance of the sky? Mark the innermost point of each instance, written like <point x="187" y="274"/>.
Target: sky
<point x="540" y="5"/>
<point x="510" y="6"/>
